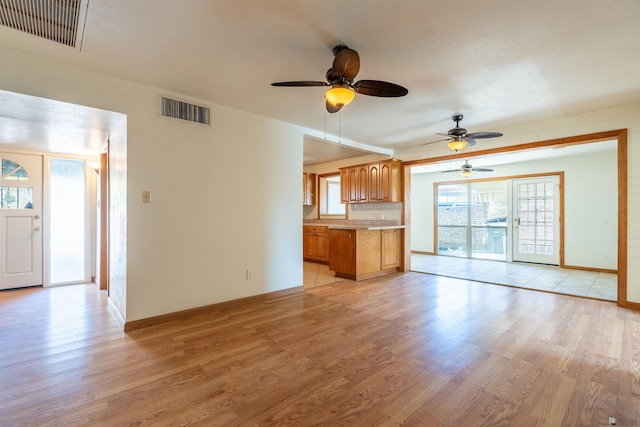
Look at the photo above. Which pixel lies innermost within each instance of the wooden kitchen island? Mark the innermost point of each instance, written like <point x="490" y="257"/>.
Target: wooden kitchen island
<point x="358" y="253"/>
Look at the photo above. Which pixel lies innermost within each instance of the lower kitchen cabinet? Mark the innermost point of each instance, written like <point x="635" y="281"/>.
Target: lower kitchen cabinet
<point x="343" y="258"/>
<point x="358" y="254"/>
<point x="315" y="244"/>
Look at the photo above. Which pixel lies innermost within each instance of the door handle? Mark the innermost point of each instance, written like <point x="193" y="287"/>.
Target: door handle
<point x="36" y="228"/>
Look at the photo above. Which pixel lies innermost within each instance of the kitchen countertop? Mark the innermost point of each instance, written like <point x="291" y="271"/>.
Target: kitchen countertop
<point x="365" y="227"/>
<point x="355" y="224"/>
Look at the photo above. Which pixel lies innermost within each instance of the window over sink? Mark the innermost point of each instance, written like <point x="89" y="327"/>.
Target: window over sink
<point x="330" y="201"/>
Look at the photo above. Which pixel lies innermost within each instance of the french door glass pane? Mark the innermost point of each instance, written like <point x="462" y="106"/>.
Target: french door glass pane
<point x="452" y="241"/>
<point x="489" y="220"/>
<point x="536" y="210"/>
<point x="472" y="219"/>
<point x="453" y="204"/>
<point x="67" y="204"/>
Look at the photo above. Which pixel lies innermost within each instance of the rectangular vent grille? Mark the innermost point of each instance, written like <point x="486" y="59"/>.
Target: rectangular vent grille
<point x="185" y="111"/>
<point x="55" y="20"/>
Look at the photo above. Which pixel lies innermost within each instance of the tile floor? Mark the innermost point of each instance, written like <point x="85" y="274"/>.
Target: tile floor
<point x="550" y="278"/>
<point x="317" y="275"/>
<point x="590" y="284"/>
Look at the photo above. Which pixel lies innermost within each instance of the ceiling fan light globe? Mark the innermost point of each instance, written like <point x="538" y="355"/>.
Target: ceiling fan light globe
<point x="466" y="173"/>
<point x="457" y="144"/>
<point x="340" y="95"/>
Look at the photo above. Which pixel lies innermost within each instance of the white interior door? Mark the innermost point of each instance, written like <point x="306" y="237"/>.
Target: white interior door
<point x="536" y="220"/>
<point x="20" y="220"/>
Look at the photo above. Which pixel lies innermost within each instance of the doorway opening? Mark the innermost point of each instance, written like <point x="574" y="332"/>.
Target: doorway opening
<point x="49" y="220"/>
<point x="605" y="220"/>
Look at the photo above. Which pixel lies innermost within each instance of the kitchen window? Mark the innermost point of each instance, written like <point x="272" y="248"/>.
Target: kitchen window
<point x="331" y="205"/>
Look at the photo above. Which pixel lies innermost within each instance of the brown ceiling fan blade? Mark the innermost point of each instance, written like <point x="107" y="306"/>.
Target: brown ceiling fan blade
<point x="332" y="108"/>
<point x="470" y="141"/>
<point x="481" y="135"/>
<point x="346" y="63"/>
<point x="299" y="84"/>
<point x="433" y="142"/>
<point x="379" y="88"/>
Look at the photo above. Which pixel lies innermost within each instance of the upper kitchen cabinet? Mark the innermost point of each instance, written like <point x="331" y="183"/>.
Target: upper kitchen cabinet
<point x="358" y="180"/>
<point x="384" y="182"/>
<point x="308" y="189"/>
<point x="344" y="185"/>
<point x="372" y="182"/>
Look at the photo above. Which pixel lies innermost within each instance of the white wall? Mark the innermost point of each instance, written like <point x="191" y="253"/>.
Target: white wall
<point x="621" y="117"/>
<point x="591" y="204"/>
<point x="224" y="198"/>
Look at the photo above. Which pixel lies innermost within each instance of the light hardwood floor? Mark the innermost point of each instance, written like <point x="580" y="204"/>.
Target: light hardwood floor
<point x="404" y="349"/>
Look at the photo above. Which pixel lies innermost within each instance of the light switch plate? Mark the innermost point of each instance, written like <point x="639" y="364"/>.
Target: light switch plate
<point x="146" y="196"/>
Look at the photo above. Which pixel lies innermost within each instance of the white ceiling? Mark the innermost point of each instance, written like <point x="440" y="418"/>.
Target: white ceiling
<point x="500" y="63"/>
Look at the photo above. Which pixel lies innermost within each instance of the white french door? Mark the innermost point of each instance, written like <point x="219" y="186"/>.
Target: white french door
<point x="20" y="220"/>
<point x="536" y="220"/>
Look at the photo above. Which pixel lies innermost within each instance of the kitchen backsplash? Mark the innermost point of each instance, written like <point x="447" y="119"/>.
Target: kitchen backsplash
<point x="375" y="211"/>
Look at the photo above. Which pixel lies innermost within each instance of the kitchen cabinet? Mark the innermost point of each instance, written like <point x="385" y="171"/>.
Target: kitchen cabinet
<point x="315" y="244"/>
<point x="358" y="254"/>
<point x="344" y="185"/>
<point x="356" y="183"/>
<point x="343" y="259"/>
<point x="384" y="182"/>
<point x="308" y="189"/>
<point x="372" y="182"/>
<point x="391" y="245"/>
<point x="352" y="184"/>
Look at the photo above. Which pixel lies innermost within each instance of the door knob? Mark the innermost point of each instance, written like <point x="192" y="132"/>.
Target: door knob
<point x="37" y="228"/>
<point x="37" y="216"/>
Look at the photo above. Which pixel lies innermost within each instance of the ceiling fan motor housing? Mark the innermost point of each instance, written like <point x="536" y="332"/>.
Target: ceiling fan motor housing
<point x="457" y="131"/>
<point x="332" y="78"/>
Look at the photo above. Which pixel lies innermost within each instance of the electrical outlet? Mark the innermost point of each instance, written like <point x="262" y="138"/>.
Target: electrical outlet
<point x="249" y="274"/>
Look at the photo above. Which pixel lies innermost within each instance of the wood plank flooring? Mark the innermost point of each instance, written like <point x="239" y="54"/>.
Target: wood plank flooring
<point x="405" y="349"/>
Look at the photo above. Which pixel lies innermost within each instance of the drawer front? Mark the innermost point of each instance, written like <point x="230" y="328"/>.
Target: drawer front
<point x="315" y="229"/>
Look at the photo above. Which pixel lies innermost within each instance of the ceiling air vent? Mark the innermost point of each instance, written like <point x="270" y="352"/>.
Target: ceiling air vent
<point x="55" y="20"/>
<point x="185" y="111"/>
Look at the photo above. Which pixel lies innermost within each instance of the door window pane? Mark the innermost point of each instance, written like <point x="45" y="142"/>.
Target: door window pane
<point x="67" y="220"/>
<point x="472" y="219"/>
<point x="16" y="198"/>
<point x="13" y="171"/>
<point x="452" y="241"/>
<point x="453" y="206"/>
<point x="536" y="218"/>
